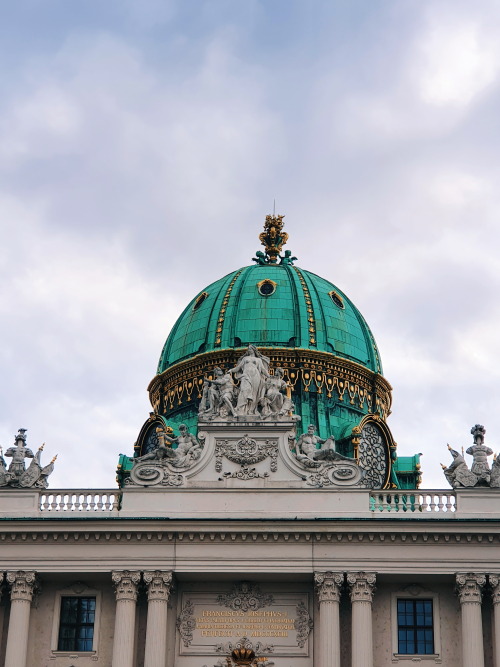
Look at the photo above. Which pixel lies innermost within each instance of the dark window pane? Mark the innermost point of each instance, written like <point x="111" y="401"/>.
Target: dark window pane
<point x="76" y="627"/>
<point x="415" y="627"/>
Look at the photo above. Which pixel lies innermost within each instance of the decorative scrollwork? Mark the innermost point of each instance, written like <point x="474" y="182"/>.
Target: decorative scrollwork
<point x="372" y="457"/>
<point x="245" y="596"/>
<point x="244" y="643"/>
<point x="246" y="452"/>
<point x="303" y="624"/>
<point x="186" y="623"/>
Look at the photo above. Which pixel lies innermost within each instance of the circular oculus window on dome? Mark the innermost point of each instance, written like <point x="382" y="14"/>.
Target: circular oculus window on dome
<point x="266" y="287"/>
<point x="200" y="300"/>
<point x="336" y="298"/>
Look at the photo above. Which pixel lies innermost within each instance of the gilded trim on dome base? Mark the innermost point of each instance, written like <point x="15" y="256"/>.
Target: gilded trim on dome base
<point x="348" y="382"/>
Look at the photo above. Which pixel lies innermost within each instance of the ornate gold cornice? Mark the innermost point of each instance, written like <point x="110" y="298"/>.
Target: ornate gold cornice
<point x="323" y="372"/>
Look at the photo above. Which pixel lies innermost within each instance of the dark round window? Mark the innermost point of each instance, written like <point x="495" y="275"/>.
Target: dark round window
<point x="336" y="299"/>
<point x="267" y="287"/>
<point x="200" y="300"/>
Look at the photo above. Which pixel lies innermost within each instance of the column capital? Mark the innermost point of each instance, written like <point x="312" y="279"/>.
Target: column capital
<point x="328" y="585"/>
<point x="361" y="586"/>
<point x="159" y="584"/>
<point x="494" y="580"/>
<point x="470" y="586"/>
<point x="126" y="583"/>
<point x="23" y="584"/>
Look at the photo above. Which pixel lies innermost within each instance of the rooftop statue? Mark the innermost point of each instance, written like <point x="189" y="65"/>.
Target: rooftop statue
<point x="287" y="258"/>
<point x="258" y="394"/>
<point x="188" y="449"/>
<point x="458" y="473"/>
<point x="17" y="475"/>
<point x="310" y="454"/>
<point x="252" y="370"/>
<point x="218" y="394"/>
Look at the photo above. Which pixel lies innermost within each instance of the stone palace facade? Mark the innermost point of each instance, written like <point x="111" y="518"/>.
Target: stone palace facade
<point x="264" y="516"/>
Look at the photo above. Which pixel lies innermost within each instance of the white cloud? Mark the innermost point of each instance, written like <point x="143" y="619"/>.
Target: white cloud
<point x="460" y="58"/>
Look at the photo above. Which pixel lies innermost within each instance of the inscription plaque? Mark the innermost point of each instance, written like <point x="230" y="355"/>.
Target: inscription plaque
<point x="280" y="624"/>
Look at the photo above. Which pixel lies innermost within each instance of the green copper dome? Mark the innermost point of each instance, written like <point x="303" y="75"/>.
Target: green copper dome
<point x="271" y="305"/>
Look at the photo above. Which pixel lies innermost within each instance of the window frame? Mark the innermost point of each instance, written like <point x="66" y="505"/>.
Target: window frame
<point x="415" y="593"/>
<point x="78" y="593"/>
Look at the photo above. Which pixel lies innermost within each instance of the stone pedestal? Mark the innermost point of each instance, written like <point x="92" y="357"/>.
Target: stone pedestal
<point x="126" y="583"/>
<point x="159" y="585"/>
<point x="469" y="590"/>
<point x="328" y="589"/>
<point x="22" y="586"/>
<point x="362" y="587"/>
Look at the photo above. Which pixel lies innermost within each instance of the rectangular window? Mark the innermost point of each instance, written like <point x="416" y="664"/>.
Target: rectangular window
<point x="415" y="627"/>
<point x="76" y="625"/>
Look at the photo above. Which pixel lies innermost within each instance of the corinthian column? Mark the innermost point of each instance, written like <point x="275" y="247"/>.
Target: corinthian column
<point x="22" y="587"/>
<point x="328" y="589"/>
<point x="495" y="594"/>
<point x="469" y="591"/>
<point x="361" y="588"/>
<point x="159" y="586"/>
<point x="126" y="598"/>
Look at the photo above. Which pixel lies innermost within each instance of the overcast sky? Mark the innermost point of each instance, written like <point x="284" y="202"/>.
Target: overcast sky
<point x="142" y="143"/>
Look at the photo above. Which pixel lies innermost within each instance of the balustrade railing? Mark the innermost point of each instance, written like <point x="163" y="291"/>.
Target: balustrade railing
<point x="80" y="500"/>
<point x="423" y="503"/>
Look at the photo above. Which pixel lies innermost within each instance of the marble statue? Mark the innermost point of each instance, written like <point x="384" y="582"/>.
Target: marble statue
<point x="307" y="449"/>
<point x="252" y="371"/>
<point x="480" y="453"/>
<point x="218" y="394"/>
<point x="187" y="451"/>
<point x="495" y="472"/>
<point x="256" y="394"/>
<point x="458" y="473"/>
<point x="17" y="475"/>
<point x="275" y="401"/>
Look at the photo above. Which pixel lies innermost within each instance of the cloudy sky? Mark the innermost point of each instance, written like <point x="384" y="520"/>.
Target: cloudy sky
<point x="142" y="144"/>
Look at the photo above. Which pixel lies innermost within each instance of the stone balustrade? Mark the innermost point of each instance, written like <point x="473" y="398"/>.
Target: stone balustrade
<point x="421" y="502"/>
<point x="80" y="500"/>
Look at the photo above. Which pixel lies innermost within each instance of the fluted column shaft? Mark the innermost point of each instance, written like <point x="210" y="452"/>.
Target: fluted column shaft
<point x="328" y="589"/>
<point x="126" y="583"/>
<point x="495" y="594"/>
<point x="159" y="587"/>
<point x="361" y="588"/>
<point x="22" y="587"/>
<point x="469" y="590"/>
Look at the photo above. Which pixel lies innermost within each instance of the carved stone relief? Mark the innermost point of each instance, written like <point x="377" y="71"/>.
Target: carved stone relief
<point x="246" y="451"/>
<point x="245" y="596"/>
<point x="164" y="465"/>
<point x="303" y="624"/>
<point x="186" y="623"/>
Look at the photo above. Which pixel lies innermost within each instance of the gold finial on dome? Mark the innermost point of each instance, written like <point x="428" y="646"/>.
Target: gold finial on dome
<point x="273" y="238"/>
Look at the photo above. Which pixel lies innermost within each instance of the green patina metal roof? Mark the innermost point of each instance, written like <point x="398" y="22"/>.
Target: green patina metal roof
<point x="300" y="313"/>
